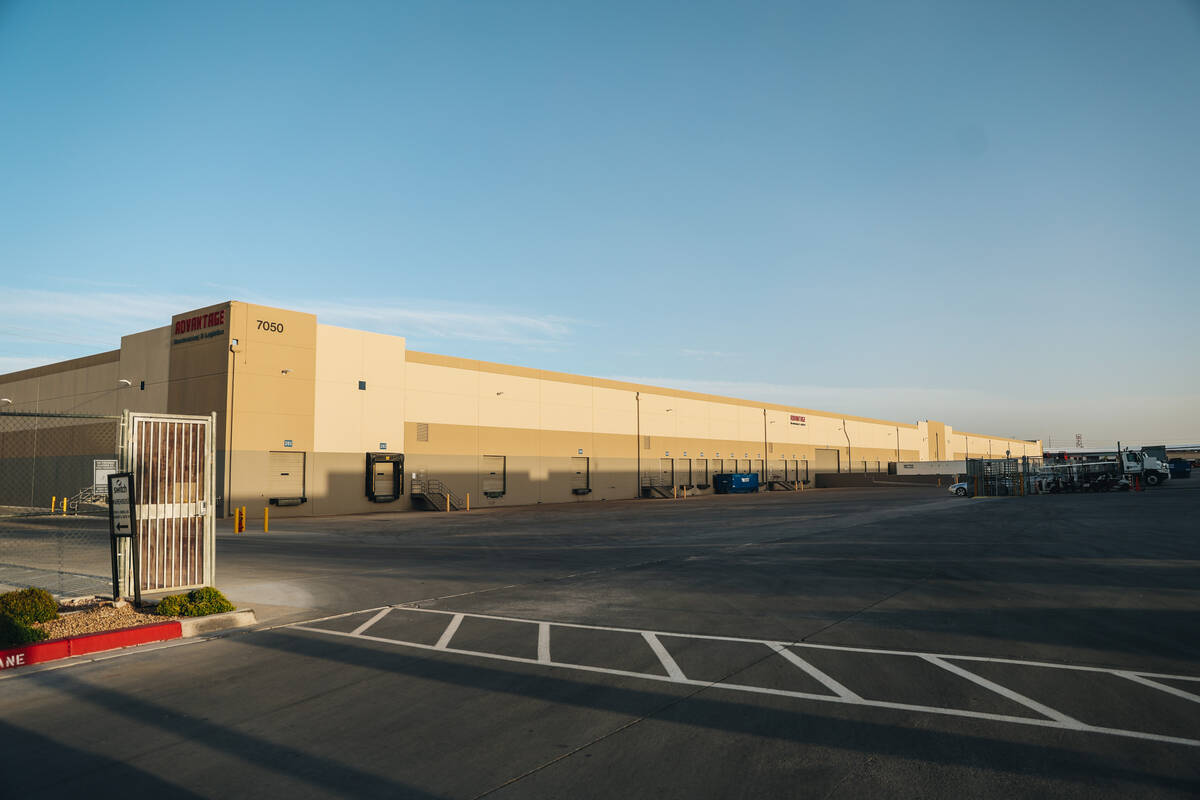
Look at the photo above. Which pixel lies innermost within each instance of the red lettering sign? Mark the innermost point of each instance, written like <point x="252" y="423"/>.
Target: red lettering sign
<point x="200" y="321"/>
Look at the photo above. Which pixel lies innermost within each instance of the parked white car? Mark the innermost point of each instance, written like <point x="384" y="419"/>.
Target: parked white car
<point x="959" y="489"/>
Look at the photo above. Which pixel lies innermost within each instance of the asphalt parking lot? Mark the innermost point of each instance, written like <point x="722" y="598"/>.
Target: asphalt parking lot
<point x="834" y="643"/>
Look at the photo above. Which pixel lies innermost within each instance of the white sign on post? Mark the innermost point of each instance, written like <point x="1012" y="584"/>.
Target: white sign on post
<point x="101" y="469"/>
<point x="121" y="504"/>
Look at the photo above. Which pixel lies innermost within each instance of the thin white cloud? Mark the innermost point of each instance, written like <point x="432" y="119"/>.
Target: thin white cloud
<point x="449" y="323"/>
<point x="96" y="320"/>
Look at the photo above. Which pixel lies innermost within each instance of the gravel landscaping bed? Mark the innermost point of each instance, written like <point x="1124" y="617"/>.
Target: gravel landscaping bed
<point x="97" y="616"/>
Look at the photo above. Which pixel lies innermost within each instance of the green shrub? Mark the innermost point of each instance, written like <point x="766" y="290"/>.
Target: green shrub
<point x="196" y="603"/>
<point x="172" y="605"/>
<point x="29" y="605"/>
<point x="14" y="632"/>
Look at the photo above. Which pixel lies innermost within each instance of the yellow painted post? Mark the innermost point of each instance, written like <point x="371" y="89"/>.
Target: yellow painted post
<point x="266" y="517"/>
<point x="64" y="506"/>
<point x="243" y="519"/>
<point x="53" y="502"/>
<point x="468" y="501"/>
<point x="447" y="503"/>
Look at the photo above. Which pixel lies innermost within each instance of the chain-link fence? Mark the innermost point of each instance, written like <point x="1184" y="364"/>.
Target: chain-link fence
<point x="1002" y="477"/>
<point x="53" y="508"/>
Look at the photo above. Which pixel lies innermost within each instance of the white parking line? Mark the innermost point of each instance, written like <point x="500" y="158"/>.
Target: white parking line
<point x="1016" y="697"/>
<point x="544" y="642"/>
<point x="830" y="683"/>
<point x="768" y="642"/>
<point x="663" y="656"/>
<point x="1162" y="687"/>
<point x="363" y="628"/>
<point x="676" y="676"/>
<point x="448" y="634"/>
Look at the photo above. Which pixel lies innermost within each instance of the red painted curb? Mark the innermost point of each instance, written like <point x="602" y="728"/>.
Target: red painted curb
<point x="88" y="643"/>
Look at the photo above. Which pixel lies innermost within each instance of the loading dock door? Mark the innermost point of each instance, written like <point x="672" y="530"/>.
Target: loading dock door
<point x="286" y="478"/>
<point x="493" y="483"/>
<point x="743" y="465"/>
<point x="700" y="472"/>
<point x="827" y="460"/>
<point x="683" y="472"/>
<point x="579" y="475"/>
<point x="385" y="476"/>
<point x="385" y="480"/>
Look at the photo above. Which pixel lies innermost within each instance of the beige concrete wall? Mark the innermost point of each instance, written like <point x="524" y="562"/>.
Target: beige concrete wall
<point x="289" y="378"/>
<point x="272" y="390"/>
<point x="91" y="385"/>
<point x="85" y="386"/>
<point x="146" y="359"/>
<point x="349" y="422"/>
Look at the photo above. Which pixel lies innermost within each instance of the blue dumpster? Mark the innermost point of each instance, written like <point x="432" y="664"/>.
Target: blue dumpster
<point x="735" y="482"/>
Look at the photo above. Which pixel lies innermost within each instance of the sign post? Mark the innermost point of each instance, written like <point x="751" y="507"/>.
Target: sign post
<point x="121" y="524"/>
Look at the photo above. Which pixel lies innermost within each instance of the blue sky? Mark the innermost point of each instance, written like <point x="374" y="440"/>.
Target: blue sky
<point x="984" y="213"/>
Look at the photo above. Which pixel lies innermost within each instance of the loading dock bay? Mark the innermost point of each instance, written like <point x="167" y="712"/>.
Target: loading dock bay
<point x="839" y="643"/>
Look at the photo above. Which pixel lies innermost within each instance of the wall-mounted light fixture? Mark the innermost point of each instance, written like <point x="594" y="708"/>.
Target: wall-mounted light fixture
<point x="6" y="401"/>
<point x="499" y="393"/>
<point x="125" y="382"/>
<point x="284" y="371"/>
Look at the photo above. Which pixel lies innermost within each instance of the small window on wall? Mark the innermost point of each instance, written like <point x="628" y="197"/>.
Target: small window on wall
<point x="493" y="483"/>
<point x="422" y="431"/>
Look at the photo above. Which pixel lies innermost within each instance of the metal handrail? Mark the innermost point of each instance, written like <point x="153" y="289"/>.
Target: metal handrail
<point x="433" y="486"/>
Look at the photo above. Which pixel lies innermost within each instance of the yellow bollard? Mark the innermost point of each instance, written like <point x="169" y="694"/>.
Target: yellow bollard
<point x="243" y="519"/>
<point x="468" y="501"/>
<point x="266" y="515"/>
<point x="447" y="504"/>
<point x="53" y="502"/>
<point x="64" y="506"/>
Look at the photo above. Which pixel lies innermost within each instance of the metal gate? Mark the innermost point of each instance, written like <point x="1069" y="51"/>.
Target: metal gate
<point x="172" y="459"/>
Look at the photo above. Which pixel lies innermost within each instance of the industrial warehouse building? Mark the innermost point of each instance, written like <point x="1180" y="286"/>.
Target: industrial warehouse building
<point x="318" y="419"/>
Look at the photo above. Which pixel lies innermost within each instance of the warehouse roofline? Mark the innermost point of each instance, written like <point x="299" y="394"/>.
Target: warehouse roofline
<point x="435" y="359"/>
<point x="82" y="362"/>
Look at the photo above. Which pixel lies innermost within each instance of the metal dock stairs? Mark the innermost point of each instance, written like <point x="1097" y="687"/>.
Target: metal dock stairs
<point x="435" y="495"/>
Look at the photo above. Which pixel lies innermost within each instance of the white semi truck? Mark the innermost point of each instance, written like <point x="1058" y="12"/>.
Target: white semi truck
<point x="1145" y="466"/>
<point x="1104" y="471"/>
